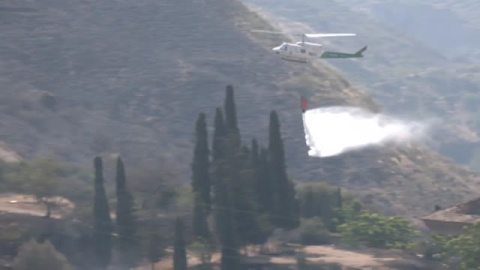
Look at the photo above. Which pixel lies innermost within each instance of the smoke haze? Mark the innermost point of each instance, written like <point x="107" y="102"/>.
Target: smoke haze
<point x="332" y="131"/>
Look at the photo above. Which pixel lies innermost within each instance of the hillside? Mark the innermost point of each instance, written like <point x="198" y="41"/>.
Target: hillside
<point x="404" y="72"/>
<point x="130" y="78"/>
<point x="450" y="27"/>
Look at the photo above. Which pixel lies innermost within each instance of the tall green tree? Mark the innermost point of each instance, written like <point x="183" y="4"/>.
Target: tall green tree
<point x="201" y="162"/>
<point x="226" y="230"/>
<point x="242" y="189"/>
<point x="102" y="227"/>
<point x="179" y="252"/>
<point x="126" y="222"/>
<point x="219" y="136"/>
<point x="265" y="187"/>
<point x="200" y="225"/>
<point x="285" y="203"/>
<point x="230" y="109"/>
<point x="231" y="116"/>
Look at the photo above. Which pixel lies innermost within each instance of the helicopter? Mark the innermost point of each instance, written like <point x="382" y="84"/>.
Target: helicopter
<point x="304" y="52"/>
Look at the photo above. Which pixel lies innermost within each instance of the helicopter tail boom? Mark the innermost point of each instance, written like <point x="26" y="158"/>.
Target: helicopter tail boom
<point x="358" y="54"/>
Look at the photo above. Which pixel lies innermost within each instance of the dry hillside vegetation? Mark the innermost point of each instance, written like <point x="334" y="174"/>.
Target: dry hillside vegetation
<point x="105" y="77"/>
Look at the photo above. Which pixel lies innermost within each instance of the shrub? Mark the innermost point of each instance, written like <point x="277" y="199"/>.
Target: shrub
<point x="377" y="231"/>
<point x="33" y="256"/>
<point x="313" y="232"/>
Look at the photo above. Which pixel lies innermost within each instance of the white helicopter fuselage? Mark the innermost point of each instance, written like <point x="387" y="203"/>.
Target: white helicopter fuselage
<point x="302" y="52"/>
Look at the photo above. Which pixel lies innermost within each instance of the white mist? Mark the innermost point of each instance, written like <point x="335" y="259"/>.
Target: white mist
<point x="332" y="131"/>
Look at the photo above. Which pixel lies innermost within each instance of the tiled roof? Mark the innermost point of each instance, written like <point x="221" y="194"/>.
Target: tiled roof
<point x="456" y="213"/>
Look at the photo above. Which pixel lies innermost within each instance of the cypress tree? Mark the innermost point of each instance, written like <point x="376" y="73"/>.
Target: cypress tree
<point x="126" y="223"/>
<point x="286" y="206"/>
<point x="219" y="135"/>
<point x="179" y="252"/>
<point x="242" y="187"/>
<point x="102" y="227"/>
<point x="265" y="188"/>
<point x="226" y="230"/>
<point x="231" y="116"/>
<point x="230" y="109"/>
<point x="201" y="163"/>
<point x="200" y="225"/>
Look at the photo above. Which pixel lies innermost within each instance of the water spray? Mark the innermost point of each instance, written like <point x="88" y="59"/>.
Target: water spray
<point x="331" y="131"/>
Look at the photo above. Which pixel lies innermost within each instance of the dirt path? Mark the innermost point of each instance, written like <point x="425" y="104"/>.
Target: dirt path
<point x="28" y="205"/>
<point x="8" y="155"/>
<point x="344" y="257"/>
<point x="314" y="254"/>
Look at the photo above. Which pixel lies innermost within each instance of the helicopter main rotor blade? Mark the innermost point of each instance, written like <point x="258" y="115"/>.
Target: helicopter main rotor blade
<point x="267" y="32"/>
<point x="330" y="35"/>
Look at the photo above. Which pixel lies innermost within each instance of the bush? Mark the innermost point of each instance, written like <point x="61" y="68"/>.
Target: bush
<point x="33" y="256"/>
<point x="377" y="231"/>
<point x="320" y="200"/>
<point x="461" y="252"/>
<point x="313" y="232"/>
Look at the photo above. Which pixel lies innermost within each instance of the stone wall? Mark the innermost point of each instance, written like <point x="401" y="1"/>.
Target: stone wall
<point x="445" y="227"/>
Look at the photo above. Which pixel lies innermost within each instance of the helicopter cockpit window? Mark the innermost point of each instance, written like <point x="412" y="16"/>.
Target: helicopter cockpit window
<point x="284" y="47"/>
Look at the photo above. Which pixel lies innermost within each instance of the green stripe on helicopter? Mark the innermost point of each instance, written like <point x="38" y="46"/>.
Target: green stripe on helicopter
<point x="344" y="55"/>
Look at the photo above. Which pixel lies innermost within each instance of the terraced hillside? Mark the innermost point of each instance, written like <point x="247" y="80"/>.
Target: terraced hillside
<point x="82" y="78"/>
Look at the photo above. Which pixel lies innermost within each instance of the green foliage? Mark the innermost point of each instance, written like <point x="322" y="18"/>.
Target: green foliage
<point x="219" y="136"/>
<point x="200" y="225"/>
<point x="201" y="162"/>
<point x="179" y="251"/>
<point x="125" y="218"/>
<point x="286" y="214"/>
<point x="102" y="227"/>
<point x="154" y="185"/>
<point x="237" y="169"/>
<point x="226" y="226"/>
<point x="231" y="114"/>
<point x="321" y="200"/>
<point x="40" y="178"/>
<point x="34" y="256"/>
<point x="314" y="232"/>
<point x="203" y="249"/>
<point x="264" y="184"/>
<point x="154" y="250"/>
<point x="153" y="239"/>
<point x="377" y="231"/>
<point x="44" y="177"/>
<point x="11" y="234"/>
<point x="464" y="247"/>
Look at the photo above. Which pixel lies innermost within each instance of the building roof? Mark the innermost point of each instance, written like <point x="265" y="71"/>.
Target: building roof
<point x="466" y="212"/>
